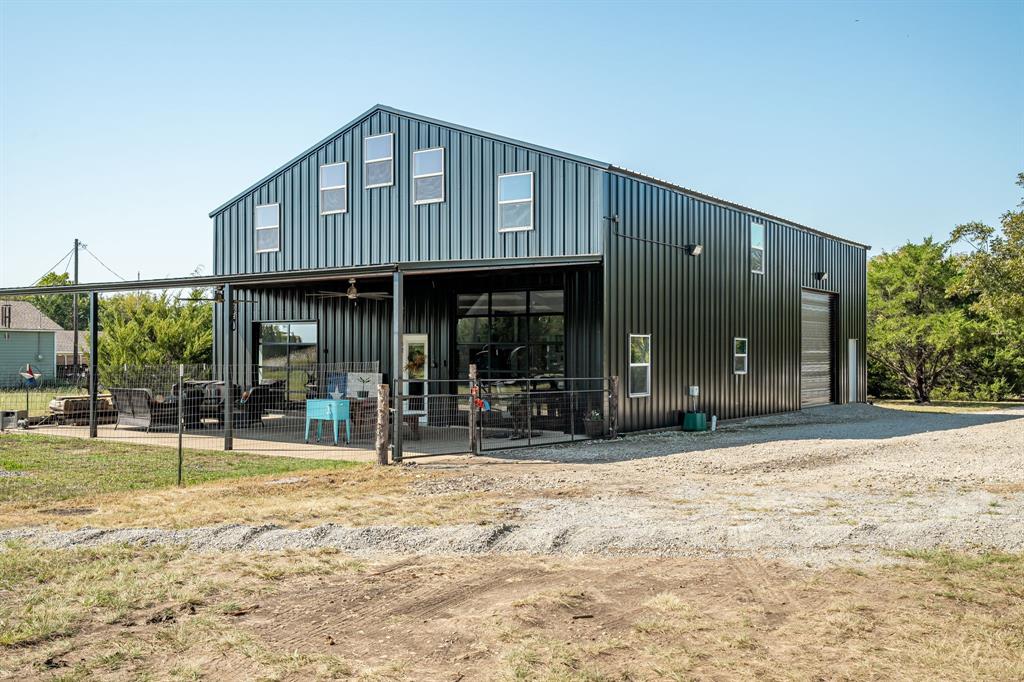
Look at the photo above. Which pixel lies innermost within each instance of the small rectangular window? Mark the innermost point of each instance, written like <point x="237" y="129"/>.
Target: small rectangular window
<point x="428" y="176"/>
<point x="267" y="223"/>
<point x="639" y="365"/>
<point x="515" y="202"/>
<point x="757" y="248"/>
<point x="333" y="188"/>
<point x="379" y="161"/>
<point x="739" y="356"/>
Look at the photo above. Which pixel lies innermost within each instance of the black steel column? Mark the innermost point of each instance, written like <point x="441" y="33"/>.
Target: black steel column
<point x="74" y="325"/>
<point x="94" y="352"/>
<point x="397" y="331"/>
<point x="228" y="339"/>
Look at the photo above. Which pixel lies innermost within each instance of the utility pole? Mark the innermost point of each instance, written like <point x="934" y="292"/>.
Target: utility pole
<point x="74" y="321"/>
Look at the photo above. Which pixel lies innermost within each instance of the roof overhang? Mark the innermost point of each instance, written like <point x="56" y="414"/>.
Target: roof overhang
<point x="265" y="279"/>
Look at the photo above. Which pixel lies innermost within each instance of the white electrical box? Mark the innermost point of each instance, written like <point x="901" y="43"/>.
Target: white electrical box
<point x="694" y="391"/>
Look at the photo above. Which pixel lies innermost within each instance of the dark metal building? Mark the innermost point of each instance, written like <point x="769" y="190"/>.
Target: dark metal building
<point x="528" y="262"/>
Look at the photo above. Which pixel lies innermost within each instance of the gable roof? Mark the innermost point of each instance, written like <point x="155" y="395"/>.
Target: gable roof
<point x="65" y="344"/>
<point x="537" y="148"/>
<point x="25" y="317"/>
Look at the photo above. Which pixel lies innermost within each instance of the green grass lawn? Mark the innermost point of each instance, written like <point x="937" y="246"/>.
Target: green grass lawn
<point x="38" y="398"/>
<point x="57" y="468"/>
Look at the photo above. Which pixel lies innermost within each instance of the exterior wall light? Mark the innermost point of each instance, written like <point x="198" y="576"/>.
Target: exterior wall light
<point x="694" y="249"/>
<point x="821" y="276"/>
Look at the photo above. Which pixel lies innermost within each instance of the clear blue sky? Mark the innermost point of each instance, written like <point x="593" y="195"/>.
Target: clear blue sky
<point x="125" y="123"/>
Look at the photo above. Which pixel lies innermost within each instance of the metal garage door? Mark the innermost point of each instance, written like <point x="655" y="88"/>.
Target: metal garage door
<point x="815" y="349"/>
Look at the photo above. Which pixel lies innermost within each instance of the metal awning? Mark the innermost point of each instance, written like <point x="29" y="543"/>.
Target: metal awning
<point x="263" y="279"/>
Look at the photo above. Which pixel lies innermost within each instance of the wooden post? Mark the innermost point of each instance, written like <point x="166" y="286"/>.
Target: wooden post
<point x="613" y="407"/>
<point x="382" y="433"/>
<point x="94" y="354"/>
<point x="474" y="393"/>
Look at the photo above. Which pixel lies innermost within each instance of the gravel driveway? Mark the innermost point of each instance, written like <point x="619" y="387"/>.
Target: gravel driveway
<point x="833" y="485"/>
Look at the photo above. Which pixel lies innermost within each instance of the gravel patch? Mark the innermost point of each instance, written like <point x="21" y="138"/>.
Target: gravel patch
<point x="854" y="484"/>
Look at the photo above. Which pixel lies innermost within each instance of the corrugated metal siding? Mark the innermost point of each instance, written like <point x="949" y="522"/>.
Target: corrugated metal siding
<point x="363" y="332"/>
<point x="694" y="306"/>
<point x="383" y="225"/>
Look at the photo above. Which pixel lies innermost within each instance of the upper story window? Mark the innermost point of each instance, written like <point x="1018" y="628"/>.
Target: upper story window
<point x="515" y="202"/>
<point x="267" y="222"/>
<point x="428" y="176"/>
<point x="379" y="160"/>
<point x="739" y="355"/>
<point x="639" y="365"/>
<point x="757" y="248"/>
<point x="333" y="188"/>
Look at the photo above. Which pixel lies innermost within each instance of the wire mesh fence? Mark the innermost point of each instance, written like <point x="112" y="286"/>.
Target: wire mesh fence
<point x="318" y="411"/>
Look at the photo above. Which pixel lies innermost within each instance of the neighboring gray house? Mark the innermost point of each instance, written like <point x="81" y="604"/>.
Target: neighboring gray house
<point x="27" y="336"/>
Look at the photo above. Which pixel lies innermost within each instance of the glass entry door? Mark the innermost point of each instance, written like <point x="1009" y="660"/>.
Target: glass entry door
<point x="415" y="372"/>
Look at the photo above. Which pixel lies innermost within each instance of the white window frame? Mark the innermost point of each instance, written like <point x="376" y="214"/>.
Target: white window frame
<point x="745" y="356"/>
<point x="367" y="161"/>
<point x="276" y="227"/>
<point x="320" y="184"/>
<point x="524" y="228"/>
<point x="421" y="202"/>
<point x="650" y="351"/>
<point x="763" y="248"/>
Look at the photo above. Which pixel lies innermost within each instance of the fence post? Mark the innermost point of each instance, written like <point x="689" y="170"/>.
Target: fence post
<point x="613" y="407"/>
<point x="94" y="336"/>
<point x="181" y="419"/>
<point x="474" y="394"/>
<point x="229" y="346"/>
<point x="382" y="424"/>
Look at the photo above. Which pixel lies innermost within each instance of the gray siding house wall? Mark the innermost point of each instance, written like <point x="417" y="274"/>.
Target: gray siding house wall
<point x="642" y="279"/>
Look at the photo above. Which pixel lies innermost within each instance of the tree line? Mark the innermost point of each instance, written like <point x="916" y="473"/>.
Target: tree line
<point x="946" y="318"/>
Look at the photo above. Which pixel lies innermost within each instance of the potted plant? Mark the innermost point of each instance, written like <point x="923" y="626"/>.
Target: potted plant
<point x="593" y="424"/>
<point x="364" y="381"/>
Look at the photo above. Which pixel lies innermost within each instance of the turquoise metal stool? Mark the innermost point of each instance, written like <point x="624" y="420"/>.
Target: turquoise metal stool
<point x="328" y="410"/>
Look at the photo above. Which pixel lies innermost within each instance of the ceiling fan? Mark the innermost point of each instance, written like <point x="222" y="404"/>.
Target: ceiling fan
<point x="353" y="294"/>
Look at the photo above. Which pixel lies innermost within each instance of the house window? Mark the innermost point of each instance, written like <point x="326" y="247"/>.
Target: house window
<point x="428" y="176"/>
<point x="333" y="188"/>
<point x="267" y="220"/>
<point x="287" y="353"/>
<point x="739" y="356"/>
<point x="757" y="248"/>
<point x="639" y="365"/>
<point x="515" y="202"/>
<point x="379" y="160"/>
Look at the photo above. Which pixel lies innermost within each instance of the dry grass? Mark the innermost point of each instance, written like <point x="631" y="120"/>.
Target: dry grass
<point x="119" y="612"/>
<point x="357" y="496"/>
<point x="949" y="406"/>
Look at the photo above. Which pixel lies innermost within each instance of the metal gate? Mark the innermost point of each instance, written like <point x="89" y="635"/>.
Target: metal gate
<point x="816" y="352"/>
<point x="543" y="411"/>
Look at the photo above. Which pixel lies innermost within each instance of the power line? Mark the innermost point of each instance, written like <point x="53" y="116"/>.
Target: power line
<point x="53" y="268"/>
<point x="97" y="259"/>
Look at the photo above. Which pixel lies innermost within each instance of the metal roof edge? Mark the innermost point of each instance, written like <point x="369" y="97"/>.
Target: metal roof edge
<point x="730" y="204"/>
<point x="410" y="115"/>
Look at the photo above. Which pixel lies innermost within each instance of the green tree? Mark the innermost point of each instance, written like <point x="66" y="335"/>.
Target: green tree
<point x="58" y="307"/>
<point x="993" y="279"/>
<point x="143" y="329"/>
<point x="915" y="328"/>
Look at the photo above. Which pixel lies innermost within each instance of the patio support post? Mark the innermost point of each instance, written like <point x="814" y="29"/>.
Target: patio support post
<point x="382" y="433"/>
<point x="613" y="407"/>
<point x="397" y="331"/>
<point x="94" y="347"/>
<point x="227" y="334"/>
